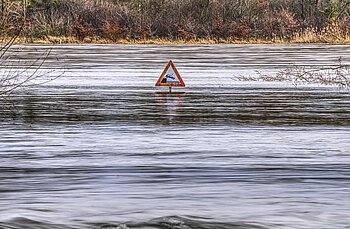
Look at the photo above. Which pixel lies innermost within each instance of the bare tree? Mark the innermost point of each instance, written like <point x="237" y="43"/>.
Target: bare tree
<point x="338" y="75"/>
<point x="15" y="71"/>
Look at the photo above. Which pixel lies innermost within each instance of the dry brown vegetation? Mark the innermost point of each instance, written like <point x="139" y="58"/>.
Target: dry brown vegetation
<point x="181" y="20"/>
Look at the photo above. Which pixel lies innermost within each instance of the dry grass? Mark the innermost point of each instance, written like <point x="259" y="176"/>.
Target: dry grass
<point x="304" y="38"/>
<point x="332" y="34"/>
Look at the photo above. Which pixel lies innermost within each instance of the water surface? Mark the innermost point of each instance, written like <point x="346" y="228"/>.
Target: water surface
<point x="101" y="147"/>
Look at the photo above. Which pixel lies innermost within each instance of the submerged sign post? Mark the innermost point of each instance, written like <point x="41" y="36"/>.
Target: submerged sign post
<point x="170" y="77"/>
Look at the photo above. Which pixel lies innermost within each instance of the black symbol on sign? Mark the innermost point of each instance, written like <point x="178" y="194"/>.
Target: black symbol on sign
<point x="168" y="76"/>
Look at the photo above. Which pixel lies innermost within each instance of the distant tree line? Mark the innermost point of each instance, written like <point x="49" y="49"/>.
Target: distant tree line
<point x="177" y="19"/>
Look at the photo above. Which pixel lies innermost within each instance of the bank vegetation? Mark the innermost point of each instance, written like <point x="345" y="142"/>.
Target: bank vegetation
<point x="208" y="21"/>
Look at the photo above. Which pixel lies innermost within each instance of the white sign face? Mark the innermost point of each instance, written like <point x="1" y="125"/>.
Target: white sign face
<point x="170" y="76"/>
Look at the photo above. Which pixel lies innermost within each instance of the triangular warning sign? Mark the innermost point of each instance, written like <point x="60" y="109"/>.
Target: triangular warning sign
<point x="170" y="77"/>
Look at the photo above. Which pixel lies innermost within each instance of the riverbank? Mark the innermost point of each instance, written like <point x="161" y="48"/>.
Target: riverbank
<point x="169" y="22"/>
<point x="301" y="39"/>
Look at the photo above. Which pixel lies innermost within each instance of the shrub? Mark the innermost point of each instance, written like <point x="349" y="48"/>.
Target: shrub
<point x="112" y="31"/>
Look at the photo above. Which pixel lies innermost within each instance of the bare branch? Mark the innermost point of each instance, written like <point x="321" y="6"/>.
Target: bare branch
<point x="338" y="75"/>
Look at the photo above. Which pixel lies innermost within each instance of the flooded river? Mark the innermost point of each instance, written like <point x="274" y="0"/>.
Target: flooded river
<point x="101" y="147"/>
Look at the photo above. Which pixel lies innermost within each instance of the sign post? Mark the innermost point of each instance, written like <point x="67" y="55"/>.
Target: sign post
<point x="170" y="77"/>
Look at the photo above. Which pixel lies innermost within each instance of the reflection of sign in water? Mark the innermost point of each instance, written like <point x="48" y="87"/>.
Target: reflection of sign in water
<point x="170" y="77"/>
<point x="169" y="105"/>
